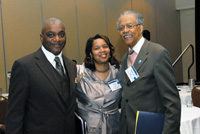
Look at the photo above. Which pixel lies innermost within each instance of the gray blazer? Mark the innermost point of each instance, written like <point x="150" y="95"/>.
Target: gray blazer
<point x="154" y="91"/>
<point x="36" y="104"/>
<point x="98" y="104"/>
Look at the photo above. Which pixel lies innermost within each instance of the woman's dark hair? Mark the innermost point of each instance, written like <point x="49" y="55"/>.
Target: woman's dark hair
<point x="89" y="61"/>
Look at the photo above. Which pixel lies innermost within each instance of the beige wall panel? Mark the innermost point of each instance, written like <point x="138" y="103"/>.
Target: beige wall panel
<point x="2" y="69"/>
<point x="66" y="11"/>
<point x="188" y="37"/>
<point x="147" y="9"/>
<point x="168" y="32"/>
<point x="114" y="9"/>
<point x="22" y="22"/>
<point x="91" y="20"/>
<point x="161" y="19"/>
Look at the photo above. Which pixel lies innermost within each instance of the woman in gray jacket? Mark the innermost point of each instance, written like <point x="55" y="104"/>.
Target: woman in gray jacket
<point x="99" y="89"/>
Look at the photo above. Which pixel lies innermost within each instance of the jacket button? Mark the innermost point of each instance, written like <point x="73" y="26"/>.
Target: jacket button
<point x="125" y="116"/>
<point x="126" y="100"/>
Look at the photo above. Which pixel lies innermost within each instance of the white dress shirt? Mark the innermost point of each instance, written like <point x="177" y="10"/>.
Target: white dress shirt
<point x="50" y="57"/>
<point x="138" y="46"/>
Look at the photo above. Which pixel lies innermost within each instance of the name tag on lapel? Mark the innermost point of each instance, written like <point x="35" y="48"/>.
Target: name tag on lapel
<point x="132" y="73"/>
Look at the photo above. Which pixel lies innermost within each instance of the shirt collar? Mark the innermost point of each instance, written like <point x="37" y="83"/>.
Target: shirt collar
<point x="139" y="45"/>
<point x="51" y="56"/>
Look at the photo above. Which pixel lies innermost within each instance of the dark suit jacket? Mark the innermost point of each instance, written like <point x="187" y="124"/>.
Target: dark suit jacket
<point x="36" y="103"/>
<point x="154" y="91"/>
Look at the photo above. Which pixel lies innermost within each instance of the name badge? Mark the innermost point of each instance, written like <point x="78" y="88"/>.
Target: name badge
<point x="132" y="73"/>
<point x="114" y="85"/>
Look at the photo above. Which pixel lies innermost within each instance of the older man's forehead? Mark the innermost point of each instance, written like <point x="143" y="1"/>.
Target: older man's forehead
<point x="127" y="18"/>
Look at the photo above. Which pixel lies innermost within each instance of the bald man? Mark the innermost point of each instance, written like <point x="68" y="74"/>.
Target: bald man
<point x="42" y="90"/>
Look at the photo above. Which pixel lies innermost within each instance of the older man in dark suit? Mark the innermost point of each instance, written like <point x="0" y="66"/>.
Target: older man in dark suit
<point x="152" y="86"/>
<point x="43" y="90"/>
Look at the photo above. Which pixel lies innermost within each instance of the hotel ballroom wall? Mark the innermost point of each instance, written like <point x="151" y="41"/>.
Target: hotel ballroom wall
<point x="21" y="22"/>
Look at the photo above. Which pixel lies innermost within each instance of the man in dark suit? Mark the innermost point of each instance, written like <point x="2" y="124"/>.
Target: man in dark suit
<point x="154" y="90"/>
<point x="42" y="99"/>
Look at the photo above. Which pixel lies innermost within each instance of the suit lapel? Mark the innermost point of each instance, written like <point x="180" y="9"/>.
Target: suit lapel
<point x="142" y="56"/>
<point x="139" y="62"/>
<point x="67" y="66"/>
<point x="48" y="71"/>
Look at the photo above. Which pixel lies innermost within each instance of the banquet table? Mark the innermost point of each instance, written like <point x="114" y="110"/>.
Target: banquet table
<point x="190" y="120"/>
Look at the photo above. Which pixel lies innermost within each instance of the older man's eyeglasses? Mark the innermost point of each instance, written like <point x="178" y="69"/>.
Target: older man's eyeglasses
<point x="128" y="26"/>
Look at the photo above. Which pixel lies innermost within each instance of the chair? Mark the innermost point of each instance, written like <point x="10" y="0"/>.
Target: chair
<point x="196" y="96"/>
<point x="3" y="111"/>
<point x="80" y="125"/>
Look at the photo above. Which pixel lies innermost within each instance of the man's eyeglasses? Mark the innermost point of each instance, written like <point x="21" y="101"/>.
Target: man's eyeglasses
<point x="129" y="26"/>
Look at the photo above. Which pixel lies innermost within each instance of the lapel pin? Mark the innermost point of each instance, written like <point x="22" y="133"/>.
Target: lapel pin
<point x="139" y="62"/>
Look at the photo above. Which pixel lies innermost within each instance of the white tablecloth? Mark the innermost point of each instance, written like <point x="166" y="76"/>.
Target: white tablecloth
<point x="190" y="120"/>
<point x="5" y="95"/>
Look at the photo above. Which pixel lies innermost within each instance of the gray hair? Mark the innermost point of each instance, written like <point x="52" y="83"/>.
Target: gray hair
<point x="52" y="21"/>
<point x="139" y="17"/>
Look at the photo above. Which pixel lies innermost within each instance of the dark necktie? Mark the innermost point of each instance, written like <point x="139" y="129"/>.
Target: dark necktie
<point x="59" y="67"/>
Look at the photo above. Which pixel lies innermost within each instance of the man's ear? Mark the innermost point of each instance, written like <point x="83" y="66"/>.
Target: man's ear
<point x="141" y="28"/>
<point x="41" y="38"/>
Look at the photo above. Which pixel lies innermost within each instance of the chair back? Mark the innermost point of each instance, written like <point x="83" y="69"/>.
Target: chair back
<point x="196" y="96"/>
<point x="3" y="109"/>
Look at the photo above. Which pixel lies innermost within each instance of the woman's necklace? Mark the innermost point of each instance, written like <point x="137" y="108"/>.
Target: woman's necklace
<point x="103" y="71"/>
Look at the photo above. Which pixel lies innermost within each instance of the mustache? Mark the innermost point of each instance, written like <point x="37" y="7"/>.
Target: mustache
<point x="126" y="34"/>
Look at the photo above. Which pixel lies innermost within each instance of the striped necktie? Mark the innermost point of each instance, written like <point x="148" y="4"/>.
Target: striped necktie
<point x="59" y="66"/>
